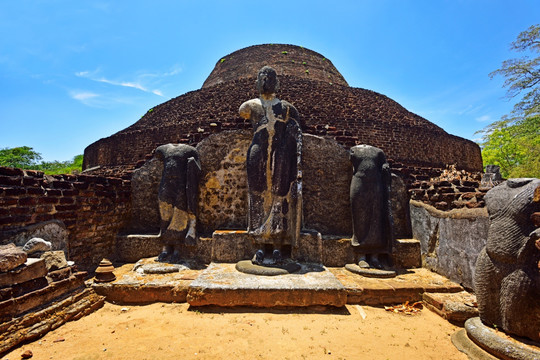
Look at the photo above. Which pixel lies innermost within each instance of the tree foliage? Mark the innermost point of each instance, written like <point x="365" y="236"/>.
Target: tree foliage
<point x="514" y="145"/>
<point x="513" y="142"/>
<point x="25" y="157"/>
<point x="19" y="157"/>
<point x="522" y="75"/>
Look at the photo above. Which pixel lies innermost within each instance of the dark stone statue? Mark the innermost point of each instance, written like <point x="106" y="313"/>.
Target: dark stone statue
<point x="371" y="214"/>
<point x="273" y="166"/>
<point x="507" y="277"/>
<point x="178" y="198"/>
<point x="491" y="177"/>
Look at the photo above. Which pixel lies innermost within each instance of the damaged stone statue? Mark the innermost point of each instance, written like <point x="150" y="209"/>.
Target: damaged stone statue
<point x="507" y="276"/>
<point x="370" y="205"/>
<point x="177" y="198"/>
<point x="273" y="168"/>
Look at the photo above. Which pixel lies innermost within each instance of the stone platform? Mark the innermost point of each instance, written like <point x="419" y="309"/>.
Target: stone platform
<point x="223" y="285"/>
<point x="220" y="284"/>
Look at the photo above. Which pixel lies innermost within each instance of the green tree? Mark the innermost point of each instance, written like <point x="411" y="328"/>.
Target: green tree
<point x="522" y="75"/>
<point x="25" y="157"/>
<point x="514" y="145"/>
<point x="513" y="142"/>
<point x="61" y="167"/>
<point x="19" y="157"/>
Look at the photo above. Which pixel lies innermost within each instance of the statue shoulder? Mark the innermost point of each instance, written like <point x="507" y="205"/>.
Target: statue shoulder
<point x="249" y="107"/>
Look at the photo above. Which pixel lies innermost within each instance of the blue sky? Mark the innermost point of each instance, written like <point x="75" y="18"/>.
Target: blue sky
<point x="72" y="72"/>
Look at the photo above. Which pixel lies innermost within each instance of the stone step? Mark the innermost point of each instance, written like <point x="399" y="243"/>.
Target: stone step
<point x="14" y="307"/>
<point x="222" y="285"/>
<point x="31" y="326"/>
<point x="454" y="307"/>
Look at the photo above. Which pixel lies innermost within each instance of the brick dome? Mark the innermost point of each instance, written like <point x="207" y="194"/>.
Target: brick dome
<point x="285" y="59"/>
<point x="327" y="105"/>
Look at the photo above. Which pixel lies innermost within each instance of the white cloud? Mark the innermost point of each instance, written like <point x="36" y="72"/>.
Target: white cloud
<point x="483" y="118"/>
<point x="135" y="85"/>
<point x="82" y="96"/>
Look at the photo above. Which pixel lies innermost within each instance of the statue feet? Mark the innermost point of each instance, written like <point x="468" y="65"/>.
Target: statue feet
<point x="372" y="266"/>
<point x="373" y="263"/>
<point x="258" y="258"/>
<point x="169" y="254"/>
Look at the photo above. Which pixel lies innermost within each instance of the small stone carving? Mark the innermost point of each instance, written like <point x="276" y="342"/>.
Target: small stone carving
<point x="507" y="277"/>
<point x="371" y="214"/>
<point x="178" y="198"/>
<point x="273" y="165"/>
<point x="35" y="245"/>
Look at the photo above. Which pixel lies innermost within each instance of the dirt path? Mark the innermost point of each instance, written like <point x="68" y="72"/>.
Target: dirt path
<point x="173" y="331"/>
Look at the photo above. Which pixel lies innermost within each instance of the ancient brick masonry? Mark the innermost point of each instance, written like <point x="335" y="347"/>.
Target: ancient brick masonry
<point x="404" y="136"/>
<point x="447" y="189"/>
<point x="93" y="208"/>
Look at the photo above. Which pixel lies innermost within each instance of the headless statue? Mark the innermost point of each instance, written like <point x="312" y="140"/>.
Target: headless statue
<point x="178" y="198"/>
<point x="507" y="274"/>
<point x="273" y="167"/>
<point x="369" y="195"/>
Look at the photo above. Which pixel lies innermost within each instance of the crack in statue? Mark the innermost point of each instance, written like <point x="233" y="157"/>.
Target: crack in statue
<point x="273" y="167"/>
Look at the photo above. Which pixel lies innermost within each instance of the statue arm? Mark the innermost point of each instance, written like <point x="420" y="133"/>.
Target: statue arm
<point x="293" y="113"/>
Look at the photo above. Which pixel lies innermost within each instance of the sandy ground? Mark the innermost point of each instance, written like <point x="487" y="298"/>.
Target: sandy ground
<point x="174" y="331"/>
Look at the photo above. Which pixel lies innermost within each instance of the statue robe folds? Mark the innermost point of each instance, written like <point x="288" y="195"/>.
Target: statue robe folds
<point x="369" y="195"/>
<point x="273" y="170"/>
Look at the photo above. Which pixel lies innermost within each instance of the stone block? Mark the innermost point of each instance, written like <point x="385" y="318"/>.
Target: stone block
<point x="222" y="285"/>
<point x="54" y="260"/>
<point x="132" y="248"/>
<point x="32" y="269"/>
<point x="337" y="251"/>
<point x="232" y="245"/>
<point x="406" y="253"/>
<point x="11" y="257"/>
<point x="309" y="247"/>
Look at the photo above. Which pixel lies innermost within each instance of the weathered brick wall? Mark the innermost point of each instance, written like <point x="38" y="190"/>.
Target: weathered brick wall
<point x="349" y="115"/>
<point x="448" y="189"/>
<point x="93" y="209"/>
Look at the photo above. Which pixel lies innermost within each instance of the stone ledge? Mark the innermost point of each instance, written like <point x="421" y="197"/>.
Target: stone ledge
<point x="33" y="268"/>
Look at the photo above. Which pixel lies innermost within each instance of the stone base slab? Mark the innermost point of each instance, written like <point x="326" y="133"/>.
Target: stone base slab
<point x="223" y="285"/>
<point x="132" y="287"/>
